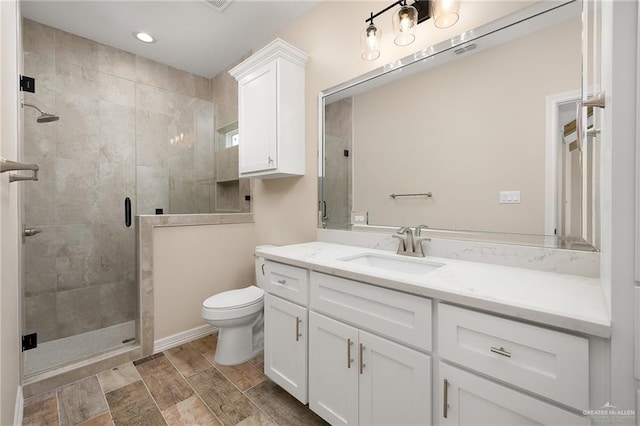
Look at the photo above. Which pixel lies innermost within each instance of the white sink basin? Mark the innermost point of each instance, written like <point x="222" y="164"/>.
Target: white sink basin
<point x="394" y="263"/>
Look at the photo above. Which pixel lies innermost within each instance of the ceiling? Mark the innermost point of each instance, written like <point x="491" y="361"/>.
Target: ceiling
<point x="191" y="35"/>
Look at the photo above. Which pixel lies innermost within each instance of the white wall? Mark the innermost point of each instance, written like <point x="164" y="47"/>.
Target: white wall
<point x="192" y="263"/>
<point x="10" y="365"/>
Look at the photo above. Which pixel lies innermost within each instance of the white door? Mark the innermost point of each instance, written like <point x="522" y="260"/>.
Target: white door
<point x="285" y="345"/>
<point x="468" y="399"/>
<point x="395" y="383"/>
<point x="333" y="370"/>
<point x="257" y="115"/>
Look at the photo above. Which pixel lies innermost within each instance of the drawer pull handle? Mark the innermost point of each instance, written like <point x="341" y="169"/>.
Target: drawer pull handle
<point x="445" y="399"/>
<point x="349" y="359"/>
<point x="282" y="281"/>
<point x="501" y="351"/>
<point x="362" y="364"/>
<point x="298" y="334"/>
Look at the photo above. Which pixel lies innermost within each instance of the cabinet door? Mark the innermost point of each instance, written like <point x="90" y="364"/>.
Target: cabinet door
<point x="467" y="399"/>
<point x="395" y="383"/>
<point x="285" y="345"/>
<point x="257" y="115"/>
<point x="333" y="370"/>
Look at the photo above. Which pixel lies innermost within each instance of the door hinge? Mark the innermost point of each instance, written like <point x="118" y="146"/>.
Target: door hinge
<point x="29" y="341"/>
<point x="27" y="84"/>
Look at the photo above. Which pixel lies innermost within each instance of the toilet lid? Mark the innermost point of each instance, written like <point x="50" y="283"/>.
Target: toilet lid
<point x="235" y="298"/>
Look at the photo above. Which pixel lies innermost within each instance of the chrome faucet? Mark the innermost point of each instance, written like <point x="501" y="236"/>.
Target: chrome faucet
<point x="408" y="245"/>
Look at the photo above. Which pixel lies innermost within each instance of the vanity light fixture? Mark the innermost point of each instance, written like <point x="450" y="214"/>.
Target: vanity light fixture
<point x="144" y="37"/>
<point x="405" y="19"/>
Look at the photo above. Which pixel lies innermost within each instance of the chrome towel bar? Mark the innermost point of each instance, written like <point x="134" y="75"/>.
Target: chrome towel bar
<point x="426" y="194"/>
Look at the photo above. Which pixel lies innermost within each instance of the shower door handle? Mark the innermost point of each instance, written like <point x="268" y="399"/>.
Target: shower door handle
<point x="127" y="212"/>
<point x="30" y="232"/>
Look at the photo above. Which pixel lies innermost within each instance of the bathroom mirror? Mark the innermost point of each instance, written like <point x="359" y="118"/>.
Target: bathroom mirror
<point x="472" y="136"/>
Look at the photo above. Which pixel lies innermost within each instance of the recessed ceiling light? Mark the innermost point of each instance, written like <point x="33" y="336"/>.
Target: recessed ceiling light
<point x="142" y="36"/>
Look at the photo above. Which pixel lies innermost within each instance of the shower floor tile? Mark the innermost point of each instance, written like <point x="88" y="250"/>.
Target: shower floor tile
<point x="181" y="386"/>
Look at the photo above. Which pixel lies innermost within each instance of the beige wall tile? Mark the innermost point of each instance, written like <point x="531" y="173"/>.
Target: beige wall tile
<point x="151" y="72"/>
<point x="76" y="50"/>
<point x="77" y="311"/>
<point x="41" y="317"/>
<point x="202" y="88"/>
<point x="116" y="62"/>
<point x="37" y="38"/>
<point x="118" y="302"/>
<point x="76" y="195"/>
<point x="180" y="82"/>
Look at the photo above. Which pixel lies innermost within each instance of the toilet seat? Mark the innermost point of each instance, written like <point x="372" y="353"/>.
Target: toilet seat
<point x="233" y="304"/>
<point x="233" y="299"/>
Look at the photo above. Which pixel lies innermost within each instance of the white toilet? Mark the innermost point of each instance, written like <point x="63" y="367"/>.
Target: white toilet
<point x="238" y="315"/>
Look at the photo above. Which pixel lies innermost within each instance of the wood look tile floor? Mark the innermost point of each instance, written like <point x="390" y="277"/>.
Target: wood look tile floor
<point x="180" y="386"/>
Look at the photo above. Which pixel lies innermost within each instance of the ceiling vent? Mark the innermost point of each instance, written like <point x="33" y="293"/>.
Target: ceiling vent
<point x="465" y="49"/>
<point x="218" y="5"/>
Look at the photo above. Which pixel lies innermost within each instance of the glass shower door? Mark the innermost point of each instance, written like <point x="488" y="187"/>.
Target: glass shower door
<point x="79" y="272"/>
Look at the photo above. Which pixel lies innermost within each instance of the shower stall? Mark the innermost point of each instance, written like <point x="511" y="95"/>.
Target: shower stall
<point x="128" y="128"/>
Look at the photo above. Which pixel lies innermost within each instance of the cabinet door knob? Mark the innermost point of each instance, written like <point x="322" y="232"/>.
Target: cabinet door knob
<point x="283" y="282"/>
<point x="270" y="160"/>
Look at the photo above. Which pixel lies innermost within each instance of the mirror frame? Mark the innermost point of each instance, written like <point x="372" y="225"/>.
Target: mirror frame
<point x="514" y="24"/>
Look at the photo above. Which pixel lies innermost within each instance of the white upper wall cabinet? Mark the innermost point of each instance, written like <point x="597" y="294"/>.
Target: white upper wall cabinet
<point x="271" y="112"/>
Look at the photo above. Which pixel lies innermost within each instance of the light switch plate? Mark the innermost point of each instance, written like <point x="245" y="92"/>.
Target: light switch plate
<point x="509" y="197"/>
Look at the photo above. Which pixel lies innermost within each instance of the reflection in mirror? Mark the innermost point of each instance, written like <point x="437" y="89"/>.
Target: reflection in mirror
<point x="482" y="142"/>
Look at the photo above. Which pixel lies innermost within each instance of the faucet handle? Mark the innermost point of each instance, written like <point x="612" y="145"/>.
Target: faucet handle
<point x="419" y="228"/>
<point x="418" y="244"/>
<point x="401" y="244"/>
<point x="403" y="230"/>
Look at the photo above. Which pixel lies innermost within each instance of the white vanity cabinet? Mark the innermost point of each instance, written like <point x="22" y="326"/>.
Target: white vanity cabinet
<point x="286" y="328"/>
<point x="468" y="399"/>
<point x="356" y="377"/>
<point x="271" y="89"/>
<point x="378" y="355"/>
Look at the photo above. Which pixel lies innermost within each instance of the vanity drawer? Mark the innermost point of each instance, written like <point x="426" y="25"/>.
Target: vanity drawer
<point x="546" y="362"/>
<point x="288" y="282"/>
<point x="400" y="316"/>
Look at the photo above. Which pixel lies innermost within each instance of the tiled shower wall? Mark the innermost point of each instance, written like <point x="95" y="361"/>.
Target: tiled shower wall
<point x="128" y="127"/>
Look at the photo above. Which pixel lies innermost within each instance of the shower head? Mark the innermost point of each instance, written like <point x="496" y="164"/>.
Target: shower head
<point x="47" y="118"/>
<point x="44" y="117"/>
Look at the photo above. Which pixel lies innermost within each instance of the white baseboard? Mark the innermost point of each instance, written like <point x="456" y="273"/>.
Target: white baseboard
<point x="19" y="409"/>
<point x="182" y="337"/>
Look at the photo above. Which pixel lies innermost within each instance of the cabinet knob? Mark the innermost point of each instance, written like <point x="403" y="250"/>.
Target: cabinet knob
<point x="270" y="160"/>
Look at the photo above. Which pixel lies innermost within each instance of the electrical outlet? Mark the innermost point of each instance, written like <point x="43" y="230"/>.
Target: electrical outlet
<point x="359" y="218"/>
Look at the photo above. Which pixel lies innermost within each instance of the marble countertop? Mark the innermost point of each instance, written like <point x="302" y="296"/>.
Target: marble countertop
<point x="560" y="300"/>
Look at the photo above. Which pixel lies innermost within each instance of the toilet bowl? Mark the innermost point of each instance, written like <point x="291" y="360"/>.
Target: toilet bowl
<point x="238" y="316"/>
